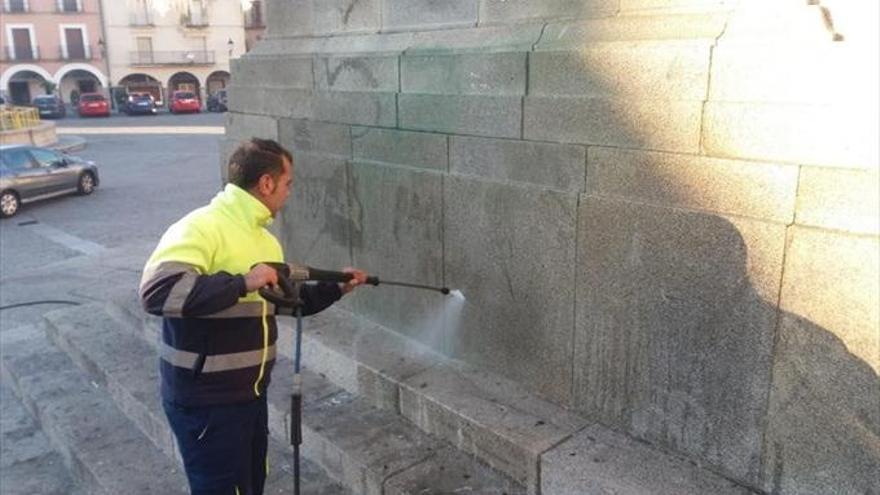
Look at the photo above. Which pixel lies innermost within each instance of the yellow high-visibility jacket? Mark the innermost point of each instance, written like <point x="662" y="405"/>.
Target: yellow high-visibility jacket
<point x="218" y="340"/>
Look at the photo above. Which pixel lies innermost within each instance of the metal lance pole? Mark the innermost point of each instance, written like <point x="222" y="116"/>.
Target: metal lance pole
<point x="296" y="402"/>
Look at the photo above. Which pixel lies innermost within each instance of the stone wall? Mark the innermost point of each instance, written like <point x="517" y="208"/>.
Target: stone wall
<point x="663" y="213"/>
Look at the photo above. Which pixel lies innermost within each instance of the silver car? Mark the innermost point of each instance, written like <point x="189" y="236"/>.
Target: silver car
<point x="30" y="173"/>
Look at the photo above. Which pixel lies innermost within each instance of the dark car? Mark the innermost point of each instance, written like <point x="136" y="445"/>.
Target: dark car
<point x="29" y="173"/>
<point x="50" y="106"/>
<point x="140" y="104"/>
<point x="217" y="101"/>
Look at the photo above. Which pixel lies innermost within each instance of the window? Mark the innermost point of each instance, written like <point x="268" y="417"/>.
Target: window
<point x="45" y="158"/>
<point x="254" y="15"/>
<point x="16" y="5"/>
<point x="197" y="13"/>
<point x="21" y="46"/>
<point x="69" y="5"/>
<point x="16" y="159"/>
<point x="144" y="53"/>
<point x="141" y="13"/>
<point x="74" y="45"/>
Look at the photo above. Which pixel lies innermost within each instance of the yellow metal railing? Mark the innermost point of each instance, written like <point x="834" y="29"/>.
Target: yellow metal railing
<point x="13" y="118"/>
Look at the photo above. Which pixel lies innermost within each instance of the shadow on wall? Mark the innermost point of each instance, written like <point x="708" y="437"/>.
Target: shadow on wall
<point x="681" y="349"/>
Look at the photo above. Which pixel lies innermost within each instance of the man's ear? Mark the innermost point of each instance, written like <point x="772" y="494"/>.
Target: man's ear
<point x="266" y="185"/>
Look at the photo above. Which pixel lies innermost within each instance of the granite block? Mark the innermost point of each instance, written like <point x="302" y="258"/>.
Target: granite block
<point x="558" y="166"/>
<point x="668" y="125"/>
<point x="493" y="74"/>
<point x="497" y="116"/>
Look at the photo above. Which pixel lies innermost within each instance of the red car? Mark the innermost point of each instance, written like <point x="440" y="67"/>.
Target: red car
<point x="185" y="101"/>
<point x="93" y="105"/>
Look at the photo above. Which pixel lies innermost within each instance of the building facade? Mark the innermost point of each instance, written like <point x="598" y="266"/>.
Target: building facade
<point x="161" y="46"/>
<point x="51" y="46"/>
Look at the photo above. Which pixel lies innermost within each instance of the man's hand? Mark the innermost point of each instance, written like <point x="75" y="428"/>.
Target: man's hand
<point x="359" y="278"/>
<point x="260" y="276"/>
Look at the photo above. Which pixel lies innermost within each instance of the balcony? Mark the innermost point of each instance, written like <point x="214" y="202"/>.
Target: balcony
<point x="74" y="53"/>
<point x="192" y="57"/>
<point x="21" y="54"/>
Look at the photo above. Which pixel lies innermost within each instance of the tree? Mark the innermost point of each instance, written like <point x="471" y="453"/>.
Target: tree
<point x="49" y="86"/>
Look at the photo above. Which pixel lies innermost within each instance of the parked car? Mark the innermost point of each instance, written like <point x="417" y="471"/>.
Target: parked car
<point x="93" y="105"/>
<point x="30" y="173"/>
<point x="50" y="106"/>
<point x="185" y="101"/>
<point x="142" y="104"/>
<point x="217" y="101"/>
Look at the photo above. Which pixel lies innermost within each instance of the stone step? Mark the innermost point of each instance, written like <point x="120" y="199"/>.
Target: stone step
<point x="99" y="445"/>
<point x="367" y="450"/>
<point x="488" y="416"/>
<point x="28" y="462"/>
<point x="126" y="366"/>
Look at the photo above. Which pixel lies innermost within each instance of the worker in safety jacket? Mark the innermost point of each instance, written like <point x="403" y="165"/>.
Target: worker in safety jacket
<point x="218" y="334"/>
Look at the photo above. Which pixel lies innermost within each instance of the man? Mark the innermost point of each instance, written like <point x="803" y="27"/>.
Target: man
<point x="218" y="334"/>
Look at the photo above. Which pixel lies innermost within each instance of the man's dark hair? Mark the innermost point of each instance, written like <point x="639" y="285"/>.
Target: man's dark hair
<point x="254" y="158"/>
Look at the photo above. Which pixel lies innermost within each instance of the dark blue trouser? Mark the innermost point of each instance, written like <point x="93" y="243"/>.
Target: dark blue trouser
<point x="223" y="446"/>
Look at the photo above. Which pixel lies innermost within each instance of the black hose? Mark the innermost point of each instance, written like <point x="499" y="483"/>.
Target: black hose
<point x="35" y="303"/>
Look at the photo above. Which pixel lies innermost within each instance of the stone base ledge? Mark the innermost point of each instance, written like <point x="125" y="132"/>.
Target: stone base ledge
<point x="42" y="135"/>
<point x="597" y="460"/>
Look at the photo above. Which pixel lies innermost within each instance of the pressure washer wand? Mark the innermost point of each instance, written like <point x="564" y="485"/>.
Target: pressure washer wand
<point x="303" y="273"/>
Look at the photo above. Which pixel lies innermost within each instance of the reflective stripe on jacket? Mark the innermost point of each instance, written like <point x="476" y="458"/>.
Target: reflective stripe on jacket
<point x="218" y="340"/>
